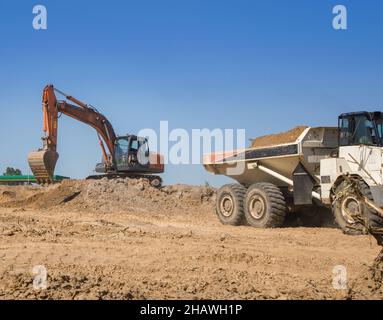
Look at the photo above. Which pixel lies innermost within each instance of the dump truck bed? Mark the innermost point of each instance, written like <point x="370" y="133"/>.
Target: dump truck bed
<point x="312" y="145"/>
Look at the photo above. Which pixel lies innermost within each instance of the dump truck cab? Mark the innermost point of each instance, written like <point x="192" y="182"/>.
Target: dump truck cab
<point x="361" y="144"/>
<point x="359" y="154"/>
<point x="361" y="128"/>
<point x="355" y="177"/>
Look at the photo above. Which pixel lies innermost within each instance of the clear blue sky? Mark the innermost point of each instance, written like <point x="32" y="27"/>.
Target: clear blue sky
<point x="265" y="66"/>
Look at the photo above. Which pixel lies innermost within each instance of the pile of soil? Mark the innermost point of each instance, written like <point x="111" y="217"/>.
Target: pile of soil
<point x="369" y="285"/>
<point x="116" y="195"/>
<point x="9" y="193"/>
<point x="278" y="138"/>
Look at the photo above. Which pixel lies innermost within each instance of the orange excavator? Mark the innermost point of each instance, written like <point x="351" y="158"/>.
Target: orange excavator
<point x="123" y="156"/>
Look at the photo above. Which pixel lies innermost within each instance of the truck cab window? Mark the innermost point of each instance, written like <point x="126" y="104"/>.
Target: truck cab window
<point x="345" y="132"/>
<point x="356" y="130"/>
<point x="379" y="127"/>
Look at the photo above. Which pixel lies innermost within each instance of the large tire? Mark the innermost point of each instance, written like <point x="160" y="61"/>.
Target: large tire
<point x="348" y="203"/>
<point x="265" y="206"/>
<point x="229" y="204"/>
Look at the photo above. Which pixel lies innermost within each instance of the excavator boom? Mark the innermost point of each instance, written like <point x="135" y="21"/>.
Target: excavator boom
<point x="43" y="161"/>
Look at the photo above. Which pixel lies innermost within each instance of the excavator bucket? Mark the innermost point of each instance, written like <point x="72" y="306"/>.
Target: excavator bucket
<point x="42" y="164"/>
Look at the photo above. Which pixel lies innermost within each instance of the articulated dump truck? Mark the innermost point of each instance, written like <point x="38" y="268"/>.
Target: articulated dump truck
<point x="308" y="170"/>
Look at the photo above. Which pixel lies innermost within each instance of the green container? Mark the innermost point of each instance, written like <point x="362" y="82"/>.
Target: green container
<point x="26" y="179"/>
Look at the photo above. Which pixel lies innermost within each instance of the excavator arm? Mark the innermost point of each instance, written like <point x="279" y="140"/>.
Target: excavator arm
<point x="43" y="162"/>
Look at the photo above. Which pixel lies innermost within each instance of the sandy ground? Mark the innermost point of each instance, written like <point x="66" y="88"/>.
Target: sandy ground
<point x="166" y="245"/>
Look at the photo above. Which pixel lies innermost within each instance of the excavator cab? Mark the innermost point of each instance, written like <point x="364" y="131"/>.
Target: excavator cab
<point x="131" y="154"/>
<point x="361" y="128"/>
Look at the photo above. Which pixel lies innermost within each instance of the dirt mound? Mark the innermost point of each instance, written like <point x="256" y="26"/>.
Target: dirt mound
<point x="278" y="138"/>
<point x="114" y="195"/>
<point x="9" y="194"/>
<point x="369" y="285"/>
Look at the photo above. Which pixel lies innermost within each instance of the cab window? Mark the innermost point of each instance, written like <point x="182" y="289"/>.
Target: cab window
<point x="356" y="130"/>
<point x="122" y="146"/>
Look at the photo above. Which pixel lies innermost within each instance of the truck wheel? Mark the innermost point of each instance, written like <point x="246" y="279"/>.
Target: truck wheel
<point x="346" y="206"/>
<point x="265" y="206"/>
<point x="229" y="204"/>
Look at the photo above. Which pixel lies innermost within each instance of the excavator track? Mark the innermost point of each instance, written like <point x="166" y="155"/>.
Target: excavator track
<point x="155" y="181"/>
<point x="42" y="164"/>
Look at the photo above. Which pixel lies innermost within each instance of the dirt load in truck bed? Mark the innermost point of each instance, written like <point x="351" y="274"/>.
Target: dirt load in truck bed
<point x="123" y="239"/>
<point x="278" y="138"/>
